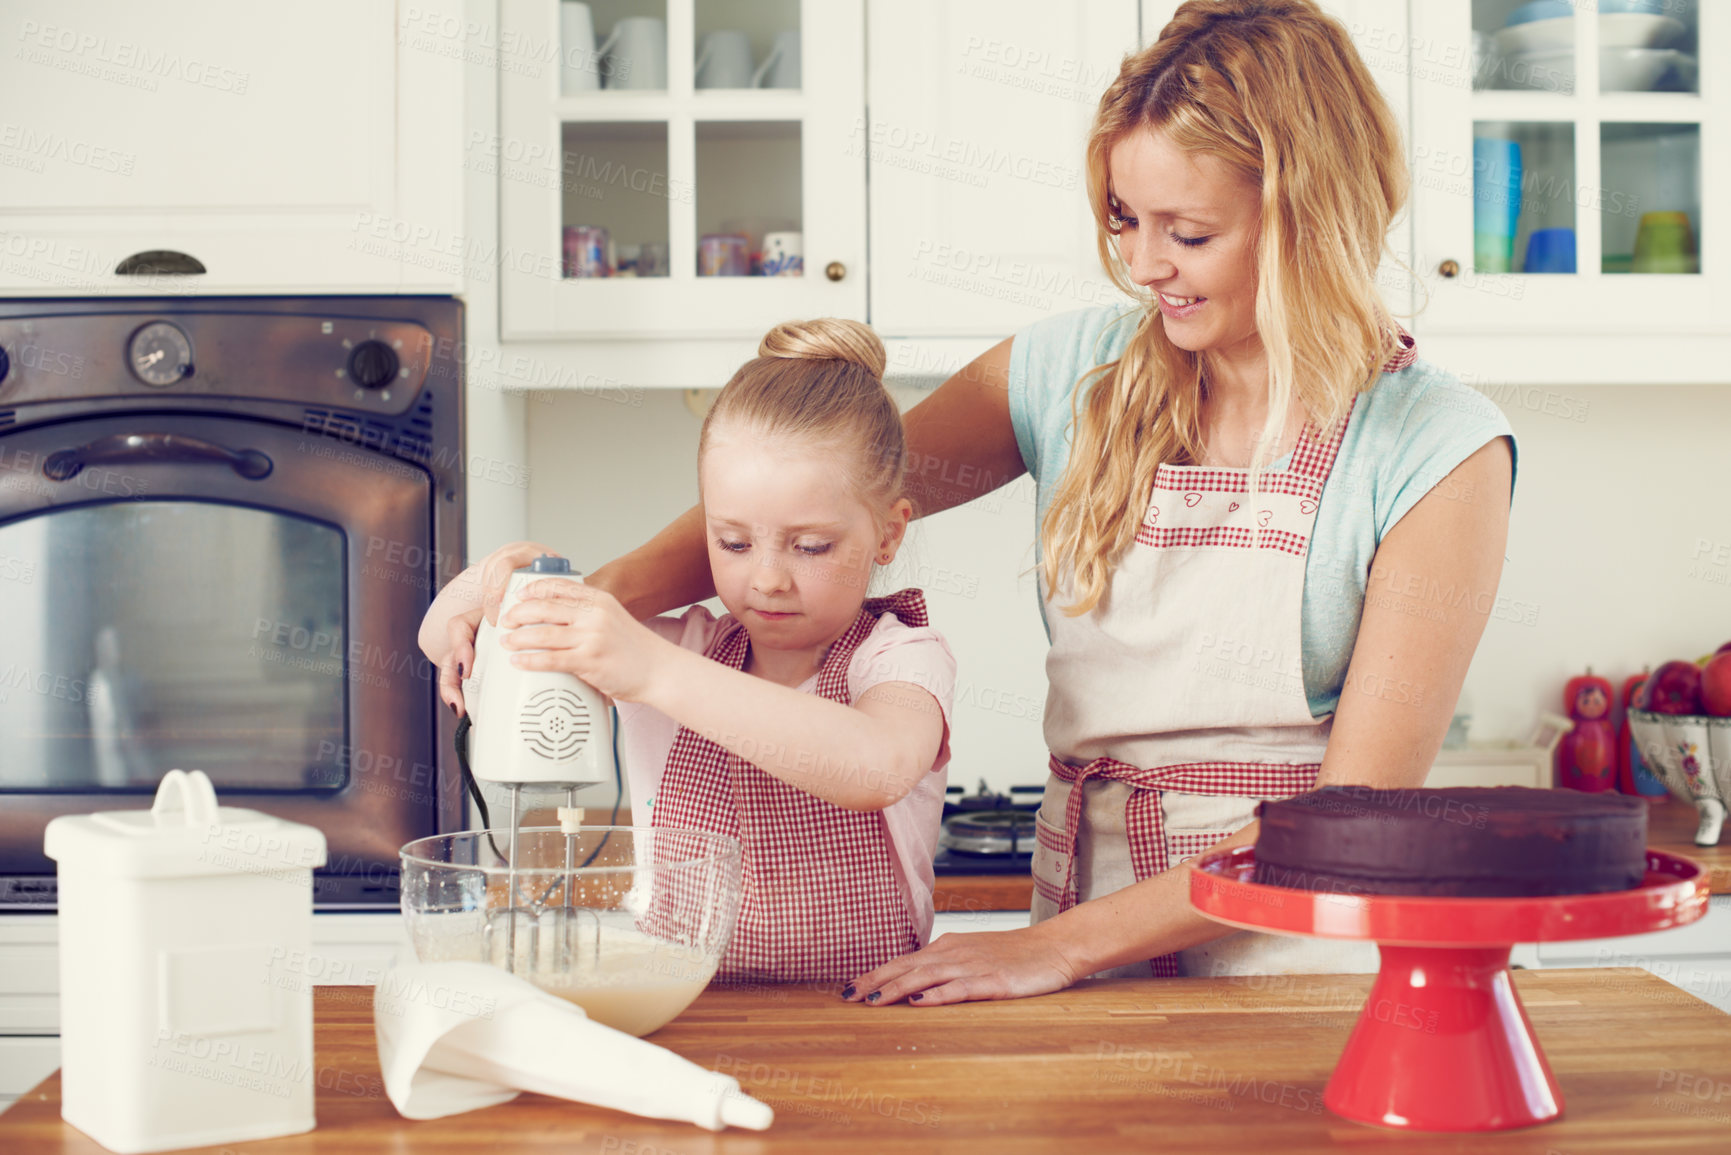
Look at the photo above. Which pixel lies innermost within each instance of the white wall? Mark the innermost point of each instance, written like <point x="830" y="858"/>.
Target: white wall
<point x="1609" y="513"/>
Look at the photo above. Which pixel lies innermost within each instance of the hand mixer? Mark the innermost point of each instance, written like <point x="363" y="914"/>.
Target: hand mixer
<point x="540" y="730"/>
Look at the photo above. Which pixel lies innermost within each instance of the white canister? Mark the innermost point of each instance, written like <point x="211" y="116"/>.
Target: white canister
<point x="185" y="1001"/>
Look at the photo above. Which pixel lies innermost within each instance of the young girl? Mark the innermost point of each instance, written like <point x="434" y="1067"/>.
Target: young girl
<point x="809" y="721"/>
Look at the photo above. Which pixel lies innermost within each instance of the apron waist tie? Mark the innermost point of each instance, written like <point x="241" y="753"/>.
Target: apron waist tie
<point x="1144" y="821"/>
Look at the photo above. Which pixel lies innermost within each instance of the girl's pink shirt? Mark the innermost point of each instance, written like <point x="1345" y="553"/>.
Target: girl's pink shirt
<point x="892" y="652"/>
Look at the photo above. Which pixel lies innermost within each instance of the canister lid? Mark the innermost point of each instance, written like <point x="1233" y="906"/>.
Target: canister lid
<point x="183" y="834"/>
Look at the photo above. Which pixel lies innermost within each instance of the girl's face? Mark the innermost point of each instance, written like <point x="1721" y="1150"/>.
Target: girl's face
<point x="1189" y="230"/>
<point x="791" y="545"/>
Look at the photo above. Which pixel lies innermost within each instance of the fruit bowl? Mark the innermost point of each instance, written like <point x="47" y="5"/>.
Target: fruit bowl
<point x="629" y="923"/>
<point x="1691" y="755"/>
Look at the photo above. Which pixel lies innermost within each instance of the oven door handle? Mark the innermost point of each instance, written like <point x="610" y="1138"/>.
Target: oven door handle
<point x="155" y="447"/>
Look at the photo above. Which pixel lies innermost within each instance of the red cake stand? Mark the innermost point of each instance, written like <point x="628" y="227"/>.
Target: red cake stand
<point x="1443" y="1043"/>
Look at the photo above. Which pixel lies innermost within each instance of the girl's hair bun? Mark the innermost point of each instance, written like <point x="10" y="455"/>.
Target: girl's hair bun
<point x="826" y="339"/>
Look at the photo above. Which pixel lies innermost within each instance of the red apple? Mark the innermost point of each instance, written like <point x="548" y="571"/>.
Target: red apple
<point x="1723" y="649"/>
<point x="1675" y="688"/>
<point x="1716" y="685"/>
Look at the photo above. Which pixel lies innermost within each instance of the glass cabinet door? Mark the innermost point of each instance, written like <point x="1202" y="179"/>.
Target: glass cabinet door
<point x="1558" y="164"/>
<point x="678" y="170"/>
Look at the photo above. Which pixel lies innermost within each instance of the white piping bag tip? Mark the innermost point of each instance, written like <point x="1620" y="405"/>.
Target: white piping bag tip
<point x="743" y="1111"/>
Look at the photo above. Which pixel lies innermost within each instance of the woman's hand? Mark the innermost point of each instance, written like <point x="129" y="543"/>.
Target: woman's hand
<point x="497" y="567"/>
<point x="459" y="662"/>
<point x="473" y="593"/>
<point x="581" y="630"/>
<point x="957" y="968"/>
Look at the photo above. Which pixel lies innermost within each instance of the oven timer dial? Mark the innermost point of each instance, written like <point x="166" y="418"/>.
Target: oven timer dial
<point x="373" y="365"/>
<point x="160" y="354"/>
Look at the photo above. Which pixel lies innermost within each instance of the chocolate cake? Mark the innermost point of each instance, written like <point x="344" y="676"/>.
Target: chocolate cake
<point x="1469" y="840"/>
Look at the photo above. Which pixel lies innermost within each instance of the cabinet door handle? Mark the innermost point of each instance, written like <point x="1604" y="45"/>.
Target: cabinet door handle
<point x="1449" y="268"/>
<point x="159" y="262"/>
<point x="835" y="270"/>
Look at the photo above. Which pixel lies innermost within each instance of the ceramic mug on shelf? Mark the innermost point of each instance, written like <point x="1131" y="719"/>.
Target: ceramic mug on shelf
<point x="724" y="61"/>
<point x="636" y="54"/>
<point x="579" y="63"/>
<point x="780" y="69"/>
<point x="783" y="255"/>
<point x="588" y="251"/>
<point x="723" y="255"/>
<point x="652" y="259"/>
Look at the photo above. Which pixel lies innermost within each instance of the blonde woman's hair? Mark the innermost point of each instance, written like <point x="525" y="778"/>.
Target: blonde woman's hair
<point x="1275" y="89"/>
<point x="820" y="383"/>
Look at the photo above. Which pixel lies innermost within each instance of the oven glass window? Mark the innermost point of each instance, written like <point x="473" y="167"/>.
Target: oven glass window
<point x="140" y="636"/>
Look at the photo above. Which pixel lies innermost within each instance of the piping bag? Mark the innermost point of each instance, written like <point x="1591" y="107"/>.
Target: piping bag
<point x="458" y="1036"/>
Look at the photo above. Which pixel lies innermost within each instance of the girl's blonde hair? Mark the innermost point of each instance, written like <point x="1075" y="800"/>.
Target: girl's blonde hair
<point x="821" y="382"/>
<point x="1275" y="89"/>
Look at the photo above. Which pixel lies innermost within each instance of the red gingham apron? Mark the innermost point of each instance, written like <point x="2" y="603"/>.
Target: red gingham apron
<point x="1215" y="584"/>
<point x="820" y="899"/>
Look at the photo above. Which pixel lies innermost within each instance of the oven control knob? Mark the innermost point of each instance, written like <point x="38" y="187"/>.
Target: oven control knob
<point x="372" y="365"/>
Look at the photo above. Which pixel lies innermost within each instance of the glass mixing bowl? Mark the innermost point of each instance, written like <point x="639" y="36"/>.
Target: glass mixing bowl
<point x="627" y="922"/>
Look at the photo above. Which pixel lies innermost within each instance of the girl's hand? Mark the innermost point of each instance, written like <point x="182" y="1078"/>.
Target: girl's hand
<point x="957" y="968"/>
<point x="459" y="663"/>
<point x="581" y="630"/>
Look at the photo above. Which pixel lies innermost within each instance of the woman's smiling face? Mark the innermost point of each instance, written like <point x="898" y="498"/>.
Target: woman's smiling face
<point x="1188" y="229"/>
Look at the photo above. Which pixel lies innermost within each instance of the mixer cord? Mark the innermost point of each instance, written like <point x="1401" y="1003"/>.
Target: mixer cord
<point x="618" y="790"/>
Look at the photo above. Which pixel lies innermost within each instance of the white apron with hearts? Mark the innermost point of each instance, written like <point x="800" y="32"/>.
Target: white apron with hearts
<point x="1179" y="702"/>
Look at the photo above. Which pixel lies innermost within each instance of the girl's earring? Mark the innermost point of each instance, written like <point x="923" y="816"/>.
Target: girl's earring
<point x="884" y="558"/>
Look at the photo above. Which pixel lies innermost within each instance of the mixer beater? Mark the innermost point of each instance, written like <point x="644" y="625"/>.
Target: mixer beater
<point x="537" y="730"/>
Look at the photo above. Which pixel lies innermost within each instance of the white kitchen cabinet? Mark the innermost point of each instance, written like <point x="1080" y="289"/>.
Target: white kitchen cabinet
<point x="308" y="148"/>
<point x="1595" y="159"/>
<point x="1503" y="764"/>
<point x="979" y="117"/>
<point x="660" y="168"/>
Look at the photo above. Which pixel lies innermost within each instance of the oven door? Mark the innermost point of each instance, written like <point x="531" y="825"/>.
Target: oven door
<point x="222" y="594"/>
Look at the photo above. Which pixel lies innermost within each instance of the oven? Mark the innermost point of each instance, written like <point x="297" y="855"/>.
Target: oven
<point x="221" y="521"/>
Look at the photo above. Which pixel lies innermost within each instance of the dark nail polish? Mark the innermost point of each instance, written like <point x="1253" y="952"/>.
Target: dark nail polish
<point x="874" y="996"/>
<point x="459" y="669"/>
<point x="848" y="991"/>
<point x="453" y="706"/>
<point x="916" y="996"/>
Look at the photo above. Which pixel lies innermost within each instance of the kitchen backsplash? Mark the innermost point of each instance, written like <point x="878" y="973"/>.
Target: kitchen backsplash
<point x="1619" y="548"/>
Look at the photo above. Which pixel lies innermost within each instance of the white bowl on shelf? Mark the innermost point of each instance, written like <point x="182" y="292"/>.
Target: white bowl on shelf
<point x="1637" y="30"/>
<point x="1550" y="71"/>
<point x="1536" y="36"/>
<point x="1635" y="69"/>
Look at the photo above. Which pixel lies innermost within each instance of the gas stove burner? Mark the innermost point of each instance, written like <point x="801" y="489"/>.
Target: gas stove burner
<point x="989" y="832"/>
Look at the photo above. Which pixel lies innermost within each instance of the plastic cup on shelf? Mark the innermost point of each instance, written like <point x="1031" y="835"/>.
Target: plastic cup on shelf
<point x="1496" y="203"/>
<point x="1550" y="251"/>
<point x="1665" y="243"/>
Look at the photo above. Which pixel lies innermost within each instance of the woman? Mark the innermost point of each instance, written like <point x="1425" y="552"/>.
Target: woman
<point x="1270" y="536"/>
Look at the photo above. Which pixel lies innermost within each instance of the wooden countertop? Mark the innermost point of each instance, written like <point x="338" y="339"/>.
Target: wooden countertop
<point x="1179" y="1065"/>
<point x="1670" y="828"/>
